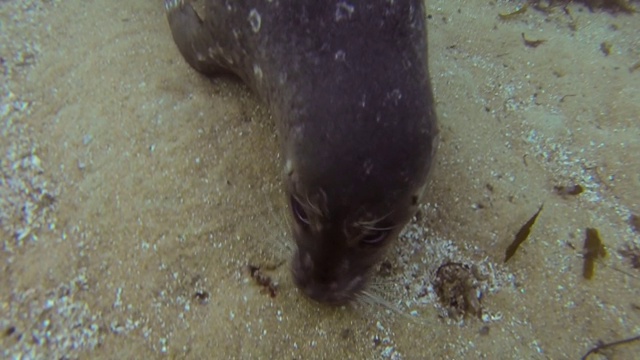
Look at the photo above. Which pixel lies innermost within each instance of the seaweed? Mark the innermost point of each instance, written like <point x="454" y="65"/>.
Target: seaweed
<point x="566" y="96"/>
<point x="592" y="250"/>
<point x="265" y="281"/>
<point x="612" y="6"/>
<point x="521" y="236"/>
<point x="511" y="15"/>
<point x="571" y="190"/>
<point x="602" y="346"/>
<point x="532" y="43"/>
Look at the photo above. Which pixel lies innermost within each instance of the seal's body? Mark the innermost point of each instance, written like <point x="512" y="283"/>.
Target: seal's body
<point x="348" y="85"/>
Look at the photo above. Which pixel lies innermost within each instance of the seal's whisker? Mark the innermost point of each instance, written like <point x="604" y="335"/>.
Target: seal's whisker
<point x="371" y="223"/>
<point x="284" y="220"/>
<point x="311" y="205"/>
<point x="281" y="229"/>
<point x="376" y="228"/>
<point x="280" y="219"/>
<point x="369" y="298"/>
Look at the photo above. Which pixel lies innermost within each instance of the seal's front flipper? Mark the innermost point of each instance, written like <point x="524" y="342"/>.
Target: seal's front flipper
<point x="192" y="37"/>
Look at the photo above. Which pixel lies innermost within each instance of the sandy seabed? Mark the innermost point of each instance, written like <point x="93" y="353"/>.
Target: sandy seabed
<point x="135" y="193"/>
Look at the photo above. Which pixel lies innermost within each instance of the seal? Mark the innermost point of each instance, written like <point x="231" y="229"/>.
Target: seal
<point x="348" y="85"/>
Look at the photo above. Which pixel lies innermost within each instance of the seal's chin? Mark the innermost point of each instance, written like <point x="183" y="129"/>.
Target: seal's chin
<point x="337" y="289"/>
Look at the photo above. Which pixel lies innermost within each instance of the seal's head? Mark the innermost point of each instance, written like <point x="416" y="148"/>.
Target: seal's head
<point x="345" y="218"/>
<point x="354" y="174"/>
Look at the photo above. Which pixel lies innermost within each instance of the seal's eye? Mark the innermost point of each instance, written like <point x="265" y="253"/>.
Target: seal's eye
<point x="374" y="237"/>
<point x="298" y="212"/>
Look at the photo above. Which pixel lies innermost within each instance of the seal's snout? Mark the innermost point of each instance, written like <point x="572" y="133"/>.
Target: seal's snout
<point x="329" y="287"/>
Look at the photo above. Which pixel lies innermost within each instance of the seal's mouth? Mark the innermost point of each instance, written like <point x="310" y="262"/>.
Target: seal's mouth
<point x="331" y="289"/>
